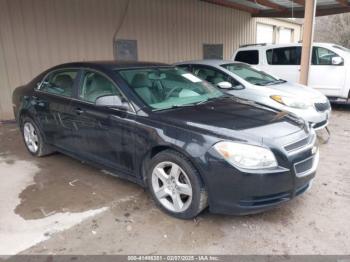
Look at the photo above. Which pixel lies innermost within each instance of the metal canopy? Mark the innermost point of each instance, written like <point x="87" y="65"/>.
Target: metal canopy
<point x="284" y="8"/>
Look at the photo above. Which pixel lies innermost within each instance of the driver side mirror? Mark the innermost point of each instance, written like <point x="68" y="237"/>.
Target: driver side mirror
<point x="111" y="102"/>
<point x="224" y="85"/>
<point x="337" y="60"/>
<point x="227" y="85"/>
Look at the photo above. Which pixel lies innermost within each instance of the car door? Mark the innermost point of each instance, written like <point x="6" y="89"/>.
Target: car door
<point x="105" y="134"/>
<point x="283" y="62"/>
<point x="53" y="106"/>
<point x="324" y="76"/>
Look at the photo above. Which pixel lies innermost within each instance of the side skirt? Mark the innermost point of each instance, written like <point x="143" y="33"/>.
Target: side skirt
<point x="102" y="168"/>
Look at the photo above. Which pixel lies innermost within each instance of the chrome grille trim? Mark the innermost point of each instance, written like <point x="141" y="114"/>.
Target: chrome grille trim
<point x="304" y="147"/>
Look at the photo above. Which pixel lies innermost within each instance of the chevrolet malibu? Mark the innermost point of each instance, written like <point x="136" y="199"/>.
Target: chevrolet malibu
<point x="166" y="129"/>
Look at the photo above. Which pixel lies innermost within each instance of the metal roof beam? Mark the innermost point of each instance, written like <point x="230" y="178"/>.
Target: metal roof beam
<point x="299" y="12"/>
<point x="233" y="5"/>
<point x="269" y="4"/>
<point x="300" y="2"/>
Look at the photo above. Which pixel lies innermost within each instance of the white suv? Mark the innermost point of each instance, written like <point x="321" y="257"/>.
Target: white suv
<point x="329" y="71"/>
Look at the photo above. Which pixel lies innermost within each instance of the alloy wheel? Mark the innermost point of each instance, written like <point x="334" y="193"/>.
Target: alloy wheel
<point x="172" y="186"/>
<point x="31" y="137"/>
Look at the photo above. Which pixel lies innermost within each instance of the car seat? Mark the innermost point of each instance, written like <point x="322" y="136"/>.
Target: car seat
<point x="64" y="82"/>
<point x="99" y="86"/>
<point x="142" y="86"/>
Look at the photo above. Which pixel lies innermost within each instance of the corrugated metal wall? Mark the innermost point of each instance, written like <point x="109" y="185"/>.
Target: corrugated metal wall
<point x="37" y="34"/>
<point x="170" y="31"/>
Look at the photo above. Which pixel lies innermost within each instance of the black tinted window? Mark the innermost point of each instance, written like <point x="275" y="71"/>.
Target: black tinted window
<point x="249" y="57"/>
<point x="60" y="83"/>
<point x="284" y="56"/>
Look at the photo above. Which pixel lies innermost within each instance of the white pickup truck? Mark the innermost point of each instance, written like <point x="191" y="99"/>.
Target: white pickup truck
<point x="329" y="71"/>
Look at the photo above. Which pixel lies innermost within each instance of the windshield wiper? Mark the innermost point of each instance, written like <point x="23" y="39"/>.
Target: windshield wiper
<point x="279" y="81"/>
<point x="175" y="106"/>
<point x="194" y="104"/>
<point x="212" y="98"/>
<point x="269" y="83"/>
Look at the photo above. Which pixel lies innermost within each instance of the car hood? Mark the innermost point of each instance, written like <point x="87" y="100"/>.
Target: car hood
<point x="234" y="118"/>
<point x="297" y="90"/>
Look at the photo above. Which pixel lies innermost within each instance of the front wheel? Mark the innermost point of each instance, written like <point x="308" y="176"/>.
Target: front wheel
<point x="176" y="185"/>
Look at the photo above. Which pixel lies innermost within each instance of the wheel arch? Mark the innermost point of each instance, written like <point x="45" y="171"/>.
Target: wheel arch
<point x="160" y="148"/>
<point x="22" y="114"/>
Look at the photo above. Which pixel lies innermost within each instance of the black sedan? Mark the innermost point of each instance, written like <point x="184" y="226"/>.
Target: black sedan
<point x="166" y="129"/>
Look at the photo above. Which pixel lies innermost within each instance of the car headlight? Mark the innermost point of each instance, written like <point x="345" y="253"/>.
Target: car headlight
<point x="292" y="102"/>
<point x="246" y="156"/>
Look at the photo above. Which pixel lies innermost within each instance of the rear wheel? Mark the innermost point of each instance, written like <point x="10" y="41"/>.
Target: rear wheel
<point x="176" y="186"/>
<point x="33" y="139"/>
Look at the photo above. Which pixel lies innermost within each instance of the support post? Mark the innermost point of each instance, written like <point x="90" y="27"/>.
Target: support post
<point x="308" y="35"/>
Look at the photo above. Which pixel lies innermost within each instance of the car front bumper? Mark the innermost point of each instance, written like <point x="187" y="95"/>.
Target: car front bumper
<point x="237" y="192"/>
<point x="316" y="119"/>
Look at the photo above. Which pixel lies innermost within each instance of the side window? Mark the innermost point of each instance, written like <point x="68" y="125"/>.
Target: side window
<point x="95" y="85"/>
<point x="213" y="75"/>
<point x="60" y="83"/>
<point x="322" y="56"/>
<point x="249" y="57"/>
<point x="284" y="56"/>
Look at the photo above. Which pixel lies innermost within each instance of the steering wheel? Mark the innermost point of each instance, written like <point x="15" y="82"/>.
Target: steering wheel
<point x="172" y="91"/>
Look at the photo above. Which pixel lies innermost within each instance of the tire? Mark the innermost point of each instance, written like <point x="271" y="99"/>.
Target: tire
<point x="175" y="185"/>
<point x="33" y="138"/>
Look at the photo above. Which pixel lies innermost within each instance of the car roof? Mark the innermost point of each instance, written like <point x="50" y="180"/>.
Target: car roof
<point x="112" y="64"/>
<point x="268" y="46"/>
<point x="212" y="62"/>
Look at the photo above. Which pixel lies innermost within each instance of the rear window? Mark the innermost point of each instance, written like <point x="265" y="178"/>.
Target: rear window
<point x="284" y="56"/>
<point x="249" y="57"/>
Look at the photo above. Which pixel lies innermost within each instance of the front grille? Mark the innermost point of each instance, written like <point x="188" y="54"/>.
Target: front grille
<point x="324" y="106"/>
<point x="298" y="144"/>
<point x="303" y="168"/>
<point x="317" y="125"/>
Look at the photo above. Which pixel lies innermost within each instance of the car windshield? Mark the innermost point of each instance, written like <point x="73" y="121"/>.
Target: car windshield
<point x="251" y="75"/>
<point x="168" y="87"/>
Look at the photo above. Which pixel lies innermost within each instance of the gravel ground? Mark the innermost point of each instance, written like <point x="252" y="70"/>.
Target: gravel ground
<point x="57" y="205"/>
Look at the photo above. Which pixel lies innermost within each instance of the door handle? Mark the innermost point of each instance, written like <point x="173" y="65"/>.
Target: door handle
<point x="79" y="111"/>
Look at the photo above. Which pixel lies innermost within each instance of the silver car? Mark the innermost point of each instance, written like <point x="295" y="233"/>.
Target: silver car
<point x="245" y="81"/>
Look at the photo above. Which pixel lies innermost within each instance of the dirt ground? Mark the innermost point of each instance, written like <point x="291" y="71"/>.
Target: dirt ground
<point x="57" y="205"/>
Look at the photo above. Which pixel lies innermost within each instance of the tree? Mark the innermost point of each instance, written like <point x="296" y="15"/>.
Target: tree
<point x="333" y="29"/>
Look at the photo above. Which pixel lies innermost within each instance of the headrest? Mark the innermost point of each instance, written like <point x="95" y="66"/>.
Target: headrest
<point x="64" y="81"/>
<point x="141" y="80"/>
